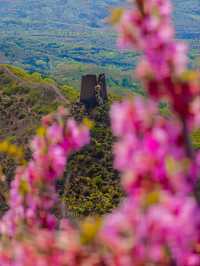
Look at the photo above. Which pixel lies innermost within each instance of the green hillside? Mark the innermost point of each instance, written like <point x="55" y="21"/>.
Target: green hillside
<point x="24" y="99"/>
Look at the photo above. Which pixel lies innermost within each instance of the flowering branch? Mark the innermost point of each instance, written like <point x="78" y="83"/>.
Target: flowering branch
<point x="158" y="222"/>
<point x="33" y="194"/>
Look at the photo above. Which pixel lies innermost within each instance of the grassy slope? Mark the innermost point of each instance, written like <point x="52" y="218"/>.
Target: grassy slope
<point x="24" y="99"/>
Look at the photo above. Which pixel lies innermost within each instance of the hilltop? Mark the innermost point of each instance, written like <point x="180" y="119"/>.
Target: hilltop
<point x="24" y="99"/>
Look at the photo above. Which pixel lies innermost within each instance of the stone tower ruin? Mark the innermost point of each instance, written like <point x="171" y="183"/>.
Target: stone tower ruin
<point x="102" y="83"/>
<point x="89" y="83"/>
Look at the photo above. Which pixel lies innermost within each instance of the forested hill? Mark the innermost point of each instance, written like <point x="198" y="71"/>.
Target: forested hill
<point x="187" y="19"/>
<point x="59" y="13"/>
<point x="81" y="14"/>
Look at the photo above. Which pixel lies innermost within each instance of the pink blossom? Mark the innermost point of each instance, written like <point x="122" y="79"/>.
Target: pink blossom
<point x="158" y="221"/>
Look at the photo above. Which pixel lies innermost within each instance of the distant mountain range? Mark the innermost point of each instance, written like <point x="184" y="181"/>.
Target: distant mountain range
<point x="187" y="18"/>
<point x="42" y="35"/>
<point x="82" y="14"/>
<point x="56" y="13"/>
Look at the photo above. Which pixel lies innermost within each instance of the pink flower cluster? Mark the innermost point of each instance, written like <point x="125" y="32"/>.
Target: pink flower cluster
<point x="154" y="225"/>
<point x="151" y="149"/>
<point x="158" y="222"/>
<point x="161" y="233"/>
<point x="148" y="28"/>
<point x="32" y="194"/>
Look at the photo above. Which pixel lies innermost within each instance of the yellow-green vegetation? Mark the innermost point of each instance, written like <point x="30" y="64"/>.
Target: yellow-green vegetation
<point x="94" y="189"/>
<point x="70" y="93"/>
<point x="196" y="139"/>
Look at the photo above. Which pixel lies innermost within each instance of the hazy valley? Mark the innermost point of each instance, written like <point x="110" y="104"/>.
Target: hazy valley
<point x="65" y="38"/>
